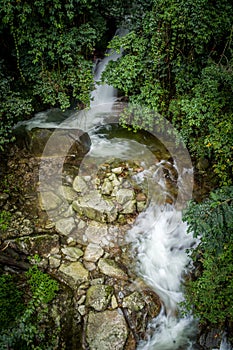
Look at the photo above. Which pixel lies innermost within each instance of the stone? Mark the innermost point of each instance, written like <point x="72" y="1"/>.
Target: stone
<point x="124" y="195"/>
<point x="65" y="226"/>
<point x="68" y="193"/>
<point x="141" y="206"/>
<point x="98" y="297"/>
<point x="134" y="302"/>
<point x="54" y="262"/>
<point x="80" y="185"/>
<point x="117" y="170"/>
<point x="129" y="207"/>
<point x="110" y="268"/>
<point x="93" y="252"/>
<point x="95" y="232"/>
<point x="106" y="330"/>
<point x="74" y="273"/>
<point x="141" y="197"/>
<point x="82" y="310"/>
<point x="49" y="200"/>
<point x="3" y="198"/>
<point x="107" y="187"/>
<point x="95" y="207"/>
<point x="41" y="244"/>
<point x="72" y="253"/>
<point x="53" y="142"/>
<point x="114" y="303"/>
<point x="90" y="266"/>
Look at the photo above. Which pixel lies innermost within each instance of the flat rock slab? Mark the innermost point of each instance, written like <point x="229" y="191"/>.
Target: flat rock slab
<point x="106" y="330"/>
<point x="93" y="206"/>
<point x="74" y="273"/>
<point x="110" y="268"/>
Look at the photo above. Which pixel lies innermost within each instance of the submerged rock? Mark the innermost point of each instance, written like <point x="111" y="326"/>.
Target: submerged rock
<point x="106" y="330"/>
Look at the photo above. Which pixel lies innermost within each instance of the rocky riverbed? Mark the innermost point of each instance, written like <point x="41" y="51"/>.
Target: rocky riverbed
<point x="78" y="228"/>
<point x="76" y="219"/>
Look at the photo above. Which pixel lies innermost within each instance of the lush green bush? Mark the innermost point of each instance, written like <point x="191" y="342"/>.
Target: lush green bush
<point x="210" y="294"/>
<point x="177" y="61"/>
<point x="13" y="106"/>
<point x="24" y="325"/>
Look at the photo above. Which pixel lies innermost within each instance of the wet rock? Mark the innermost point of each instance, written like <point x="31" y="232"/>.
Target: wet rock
<point x="93" y="252"/>
<point x="49" y="201"/>
<point x="54" y="261"/>
<point x="80" y="185"/>
<point x="107" y="187"/>
<point x="95" y="207"/>
<point x="134" y="302"/>
<point x="58" y="142"/>
<point x="67" y="193"/>
<point x="129" y="207"/>
<point x="72" y="253"/>
<point x="124" y="195"/>
<point x="211" y="338"/>
<point x="65" y="226"/>
<point x="106" y="330"/>
<point x="95" y="232"/>
<point x="110" y="268"/>
<point x="74" y="273"/>
<point x="98" y="297"/>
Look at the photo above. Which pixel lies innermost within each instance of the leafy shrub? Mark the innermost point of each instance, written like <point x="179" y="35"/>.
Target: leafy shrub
<point x="29" y="327"/>
<point x="210" y="294"/>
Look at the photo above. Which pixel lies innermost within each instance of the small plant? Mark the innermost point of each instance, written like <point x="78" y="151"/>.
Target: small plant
<point x="29" y="326"/>
<point x="5" y="219"/>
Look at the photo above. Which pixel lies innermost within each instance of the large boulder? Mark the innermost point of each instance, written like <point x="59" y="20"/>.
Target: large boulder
<point x="106" y="330"/>
<point x="58" y="142"/>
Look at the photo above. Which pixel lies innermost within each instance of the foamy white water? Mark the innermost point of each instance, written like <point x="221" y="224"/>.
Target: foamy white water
<point x="160" y="240"/>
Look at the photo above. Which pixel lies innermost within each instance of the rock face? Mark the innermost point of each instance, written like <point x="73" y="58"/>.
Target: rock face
<point x="106" y="330"/>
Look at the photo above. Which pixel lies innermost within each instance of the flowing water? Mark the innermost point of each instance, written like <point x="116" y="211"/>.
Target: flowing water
<point x="159" y="236"/>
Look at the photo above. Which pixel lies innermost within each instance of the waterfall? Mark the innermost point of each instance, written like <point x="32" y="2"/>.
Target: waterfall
<point x="159" y="236"/>
<point x="160" y="239"/>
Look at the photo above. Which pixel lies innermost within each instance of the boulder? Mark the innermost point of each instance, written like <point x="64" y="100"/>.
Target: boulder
<point x="106" y="330"/>
<point x="58" y="142"/>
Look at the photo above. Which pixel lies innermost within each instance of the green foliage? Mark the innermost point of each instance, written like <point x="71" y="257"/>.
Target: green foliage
<point x="54" y="41"/>
<point x="13" y="107"/>
<point x="177" y="60"/>
<point x="11" y="301"/>
<point x="210" y="295"/>
<point x="29" y="329"/>
<point x="5" y="219"/>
